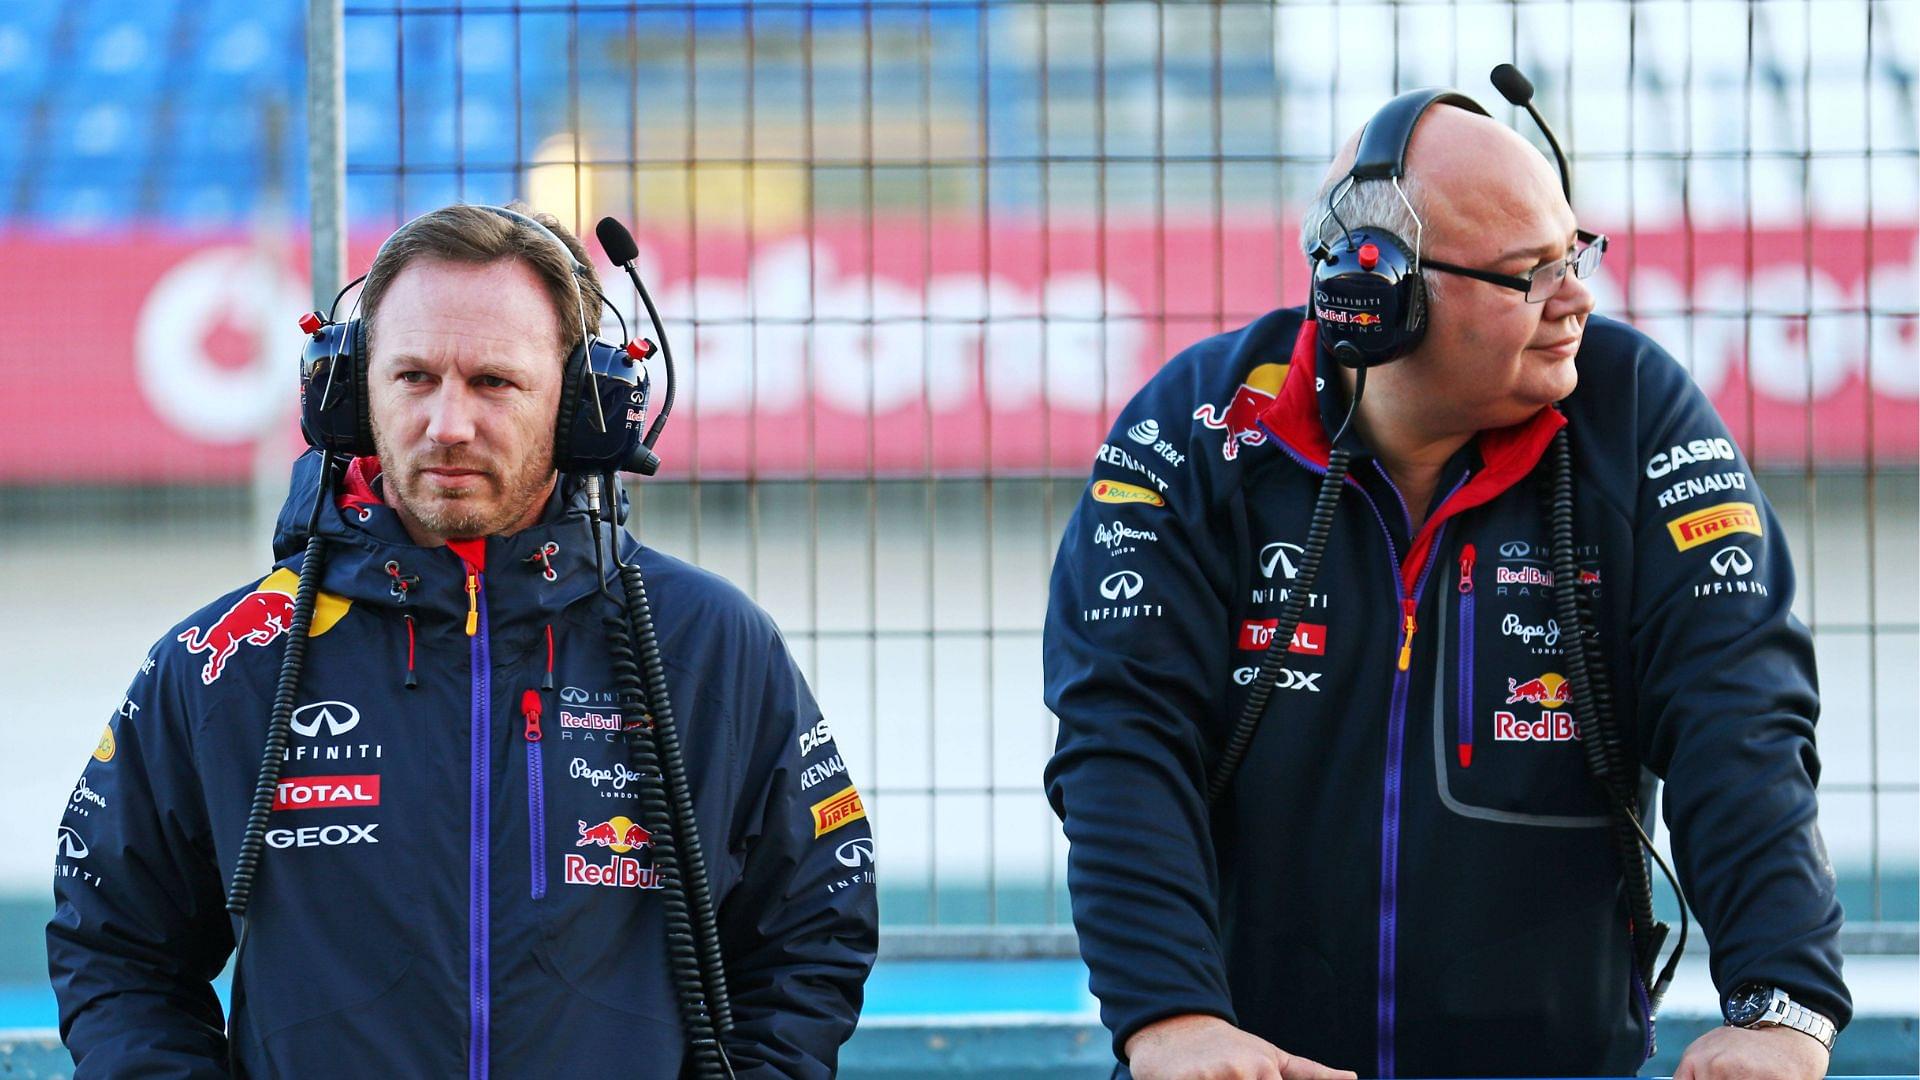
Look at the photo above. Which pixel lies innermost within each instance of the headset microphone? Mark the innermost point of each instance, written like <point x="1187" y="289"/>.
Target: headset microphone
<point x="1518" y="90"/>
<point x="619" y="245"/>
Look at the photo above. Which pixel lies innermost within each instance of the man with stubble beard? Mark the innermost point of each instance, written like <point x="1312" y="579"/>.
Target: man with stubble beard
<point x="456" y="876"/>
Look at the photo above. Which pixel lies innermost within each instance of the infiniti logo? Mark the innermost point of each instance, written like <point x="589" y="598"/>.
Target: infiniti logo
<point x="856" y="851"/>
<point x="1146" y="432"/>
<point x="573" y="695"/>
<point x="71" y="846"/>
<point x="338" y="723"/>
<point x="1277" y="554"/>
<point x="1121" y="585"/>
<point x="1515" y="549"/>
<point x="1731" y="561"/>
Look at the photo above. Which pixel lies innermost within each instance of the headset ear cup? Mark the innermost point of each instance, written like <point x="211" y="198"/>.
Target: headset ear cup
<point x="361" y="407"/>
<point x="573" y="398"/>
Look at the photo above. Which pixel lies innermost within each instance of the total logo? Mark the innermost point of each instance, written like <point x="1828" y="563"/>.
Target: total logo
<point x="321" y="792"/>
<point x="322" y="836"/>
<point x="1147" y="434"/>
<point x="1549" y="690"/>
<point x="1308" y="638"/>
<point x="1289" y="679"/>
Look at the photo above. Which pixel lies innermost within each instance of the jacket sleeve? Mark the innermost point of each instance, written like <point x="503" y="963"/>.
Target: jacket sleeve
<point x="139" y="928"/>
<point x="800" y="928"/>
<point x="1138" y="593"/>
<point x="1728" y="699"/>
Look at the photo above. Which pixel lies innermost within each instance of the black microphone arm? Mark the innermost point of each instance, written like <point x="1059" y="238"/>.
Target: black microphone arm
<point x="619" y="245"/>
<point x="1518" y="90"/>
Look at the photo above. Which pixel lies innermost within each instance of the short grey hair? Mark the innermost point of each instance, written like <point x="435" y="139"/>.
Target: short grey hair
<point x="1367" y="203"/>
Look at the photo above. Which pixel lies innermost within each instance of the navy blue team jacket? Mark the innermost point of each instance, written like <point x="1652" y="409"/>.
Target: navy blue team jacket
<point x="455" y="879"/>
<point x="1411" y="874"/>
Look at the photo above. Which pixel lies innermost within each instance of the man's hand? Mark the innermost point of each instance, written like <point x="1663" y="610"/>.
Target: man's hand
<point x="1768" y="1053"/>
<point x="1196" y="1047"/>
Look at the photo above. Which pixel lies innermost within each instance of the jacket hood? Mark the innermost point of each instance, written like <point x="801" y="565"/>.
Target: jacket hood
<point x="371" y="559"/>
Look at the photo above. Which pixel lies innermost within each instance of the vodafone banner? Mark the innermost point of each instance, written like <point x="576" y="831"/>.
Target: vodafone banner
<point x="167" y="357"/>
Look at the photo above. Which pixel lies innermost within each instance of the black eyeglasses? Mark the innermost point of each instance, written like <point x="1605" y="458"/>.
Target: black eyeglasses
<point x="1544" y="280"/>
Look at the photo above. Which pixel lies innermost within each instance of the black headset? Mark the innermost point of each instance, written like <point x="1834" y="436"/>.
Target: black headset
<point x="603" y="393"/>
<point x="1368" y="299"/>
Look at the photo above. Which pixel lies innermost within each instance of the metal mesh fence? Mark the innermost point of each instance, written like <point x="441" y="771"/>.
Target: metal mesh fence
<point x="914" y="256"/>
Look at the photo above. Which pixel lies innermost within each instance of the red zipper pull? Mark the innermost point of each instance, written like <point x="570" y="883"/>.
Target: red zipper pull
<point x="1466" y="569"/>
<point x="1409" y="626"/>
<point x="530" y="708"/>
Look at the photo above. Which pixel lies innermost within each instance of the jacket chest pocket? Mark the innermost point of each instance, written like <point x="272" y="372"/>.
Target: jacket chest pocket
<point x="596" y="883"/>
<point x="1508" y="746"/>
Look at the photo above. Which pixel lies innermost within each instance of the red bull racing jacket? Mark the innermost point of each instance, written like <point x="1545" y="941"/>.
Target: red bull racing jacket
<point x="1411" y="873"/>
<point x="455" y="880"/>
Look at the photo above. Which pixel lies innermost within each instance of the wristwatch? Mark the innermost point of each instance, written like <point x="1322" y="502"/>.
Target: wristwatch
<point x="1757" y="1005"/>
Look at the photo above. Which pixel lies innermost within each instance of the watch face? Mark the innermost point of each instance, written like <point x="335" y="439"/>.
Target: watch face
<point x="1748" y="1004"/>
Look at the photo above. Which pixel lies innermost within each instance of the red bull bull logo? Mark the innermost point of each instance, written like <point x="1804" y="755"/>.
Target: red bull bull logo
<point x="1549" y="690"/>
<point x="258" y="618"/>
<point x="619" y="833"/>
<point x="1240" y="419"/>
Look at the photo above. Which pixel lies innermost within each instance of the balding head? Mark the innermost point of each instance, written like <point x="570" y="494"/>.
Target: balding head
<point x="1463" y="170"/>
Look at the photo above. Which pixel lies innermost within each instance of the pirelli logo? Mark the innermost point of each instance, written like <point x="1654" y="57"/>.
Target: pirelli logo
<point x="837" y="809"/>
<point x="1709" y="524"/>
<point x="1112" y="491"/>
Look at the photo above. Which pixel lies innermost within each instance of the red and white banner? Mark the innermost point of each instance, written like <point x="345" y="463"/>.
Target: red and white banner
<point x="899" y="350"/>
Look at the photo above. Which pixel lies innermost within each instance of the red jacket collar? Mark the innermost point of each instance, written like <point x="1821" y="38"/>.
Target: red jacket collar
<point x="1507" y="454"/>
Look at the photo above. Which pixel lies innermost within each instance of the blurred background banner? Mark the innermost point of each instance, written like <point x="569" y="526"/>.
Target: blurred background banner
<point x="912" y="257"/>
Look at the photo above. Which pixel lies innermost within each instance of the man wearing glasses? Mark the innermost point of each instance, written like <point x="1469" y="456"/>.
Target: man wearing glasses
<point x="1412" y="871"/>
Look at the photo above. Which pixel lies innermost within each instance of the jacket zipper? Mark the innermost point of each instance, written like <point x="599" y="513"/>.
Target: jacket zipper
<point x="536" y="794"/>
<point x="479" y="799"/>
<point x="1464" y="743"/>
<point x="1396" y="750"/>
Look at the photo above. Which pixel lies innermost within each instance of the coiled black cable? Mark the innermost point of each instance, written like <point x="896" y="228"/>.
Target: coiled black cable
<point x="1608" y="759"/>
<point x="665" y="737"/>
<point x="652" y="738"/>
<point x="246" y="866"/>
<point x="683" y="959"/>
<point x="1275" y="658"/>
